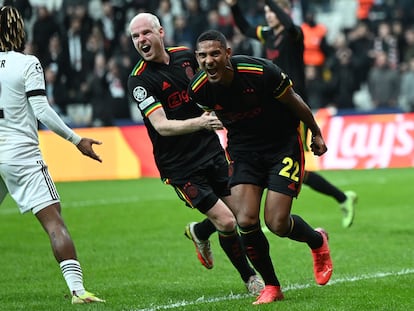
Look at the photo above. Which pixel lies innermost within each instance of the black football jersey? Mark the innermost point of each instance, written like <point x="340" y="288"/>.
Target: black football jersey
<point x="285" y="48"/>
<point x="248" y="108"/>
<point x="286" y="51"/>
<point x="153" y="85"/>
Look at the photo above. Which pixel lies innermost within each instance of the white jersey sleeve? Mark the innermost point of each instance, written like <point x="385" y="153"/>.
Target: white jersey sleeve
<point x="21" y="77"/>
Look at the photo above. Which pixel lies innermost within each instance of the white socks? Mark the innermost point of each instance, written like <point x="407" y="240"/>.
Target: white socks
<point x="72" y="272"/>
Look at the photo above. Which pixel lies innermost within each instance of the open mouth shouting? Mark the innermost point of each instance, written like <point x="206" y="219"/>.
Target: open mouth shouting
<point x="212" y="73"/>
<point x="145" y="48"/>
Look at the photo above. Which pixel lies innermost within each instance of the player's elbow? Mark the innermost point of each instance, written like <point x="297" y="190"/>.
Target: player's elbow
<point x="163" y="130"/>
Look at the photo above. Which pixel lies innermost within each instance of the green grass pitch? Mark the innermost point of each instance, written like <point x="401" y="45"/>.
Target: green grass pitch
<point x="130" y="242"/>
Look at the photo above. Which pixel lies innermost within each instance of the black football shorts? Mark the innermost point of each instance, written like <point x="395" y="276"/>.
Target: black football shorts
<point x="204" y="186"/>
<point x="280" y="171"/>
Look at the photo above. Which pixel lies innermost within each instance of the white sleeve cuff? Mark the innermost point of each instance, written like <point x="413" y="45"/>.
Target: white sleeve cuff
<point x="45" y="114"/>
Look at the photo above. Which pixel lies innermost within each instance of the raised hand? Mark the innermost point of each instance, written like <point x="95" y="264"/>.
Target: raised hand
<point x="85" y="146"/>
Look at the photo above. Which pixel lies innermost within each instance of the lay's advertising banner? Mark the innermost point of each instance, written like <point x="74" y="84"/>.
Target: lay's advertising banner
<point x="368" y="141"/>
<point x="354" y="142"/>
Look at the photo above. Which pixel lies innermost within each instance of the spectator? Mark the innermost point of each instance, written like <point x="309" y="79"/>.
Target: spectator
<point x="360" y="41"/>
<point x="183" y="34"/>
<point x="216" y="22"/>
<point x="57" y="58"/>
<point x="96" y="90"/>
<point x="342" y="83"/>
<point x="316" y="88"/>
<point x="383" y="82"/>
<point x="386" y="42"/>
<point x="44" y="28"/>
<point x="112" y="24"/>
<point x="397" y="29"/>
<point x="56" y="92"/>
<point x="406" y="99"/>
<point x="246" y="46"/>
<point x="74" y="45"/>
<point x="125" y="51"/>
<point x="196" y="18"/>
<point x="408" y="52"/>
<point x="117" y="78"/>
<point x="316" y="47"/>
<point x="95" y="44"/>
<point x="166" y="17"/>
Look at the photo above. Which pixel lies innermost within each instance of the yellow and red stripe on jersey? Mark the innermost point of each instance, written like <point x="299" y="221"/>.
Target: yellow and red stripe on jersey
<point x="177" y="49"/>
<point x="199" y="82"/>
<point x="151" y="109"/>
<point x="250" y="68"/>
<point x="139" y="68"/>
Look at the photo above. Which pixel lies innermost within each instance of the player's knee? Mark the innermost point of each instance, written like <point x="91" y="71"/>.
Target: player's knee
<point x="229" y="224"/>
<point x="245" y="221"/>
<point x="278" y="227"/>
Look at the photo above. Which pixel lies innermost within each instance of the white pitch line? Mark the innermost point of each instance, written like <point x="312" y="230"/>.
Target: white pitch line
<point x="204" y="300"/>
<point x="76" y="204"/>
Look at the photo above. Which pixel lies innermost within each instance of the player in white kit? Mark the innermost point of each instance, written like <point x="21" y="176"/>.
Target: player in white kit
<point x="23" y="172"/>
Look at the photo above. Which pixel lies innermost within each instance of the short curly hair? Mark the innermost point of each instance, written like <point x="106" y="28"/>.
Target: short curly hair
<point x="12" y="32"/>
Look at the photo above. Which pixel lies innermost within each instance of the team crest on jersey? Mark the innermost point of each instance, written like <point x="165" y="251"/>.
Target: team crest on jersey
<point x="39" y="68"/>
<point x="190" y="190"/>
<point x="189" y="72"/>
<point x="139" y="93"/>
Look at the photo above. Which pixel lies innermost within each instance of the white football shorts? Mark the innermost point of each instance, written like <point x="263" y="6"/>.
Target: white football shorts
<point x="29" y="184"/>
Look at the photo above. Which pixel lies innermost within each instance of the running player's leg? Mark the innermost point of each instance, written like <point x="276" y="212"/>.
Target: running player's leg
<point x="33" y="189"/>
<point x="346" y="199"/>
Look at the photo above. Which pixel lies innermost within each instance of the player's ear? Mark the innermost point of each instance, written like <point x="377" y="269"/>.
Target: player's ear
<point x="229" y="52"/>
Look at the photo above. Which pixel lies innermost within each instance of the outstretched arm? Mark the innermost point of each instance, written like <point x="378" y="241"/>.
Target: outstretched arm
<point x="51" y="119"/>
<point x="241" y="22"/>
<point x="284" y="18"/>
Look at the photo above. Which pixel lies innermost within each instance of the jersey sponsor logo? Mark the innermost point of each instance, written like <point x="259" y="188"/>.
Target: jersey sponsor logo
<point x="242" y="115"/>
<point x="176" y="99"/>
<point x="139" y="93"/>
<point x="147" y="102"/>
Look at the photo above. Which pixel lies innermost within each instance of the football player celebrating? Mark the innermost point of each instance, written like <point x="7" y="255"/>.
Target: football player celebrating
<point x="187" y="151"/>
<point x="261" y="112"/>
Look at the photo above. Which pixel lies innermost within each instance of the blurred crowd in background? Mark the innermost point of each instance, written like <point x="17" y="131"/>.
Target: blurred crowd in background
<point x="367" y="49"/>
